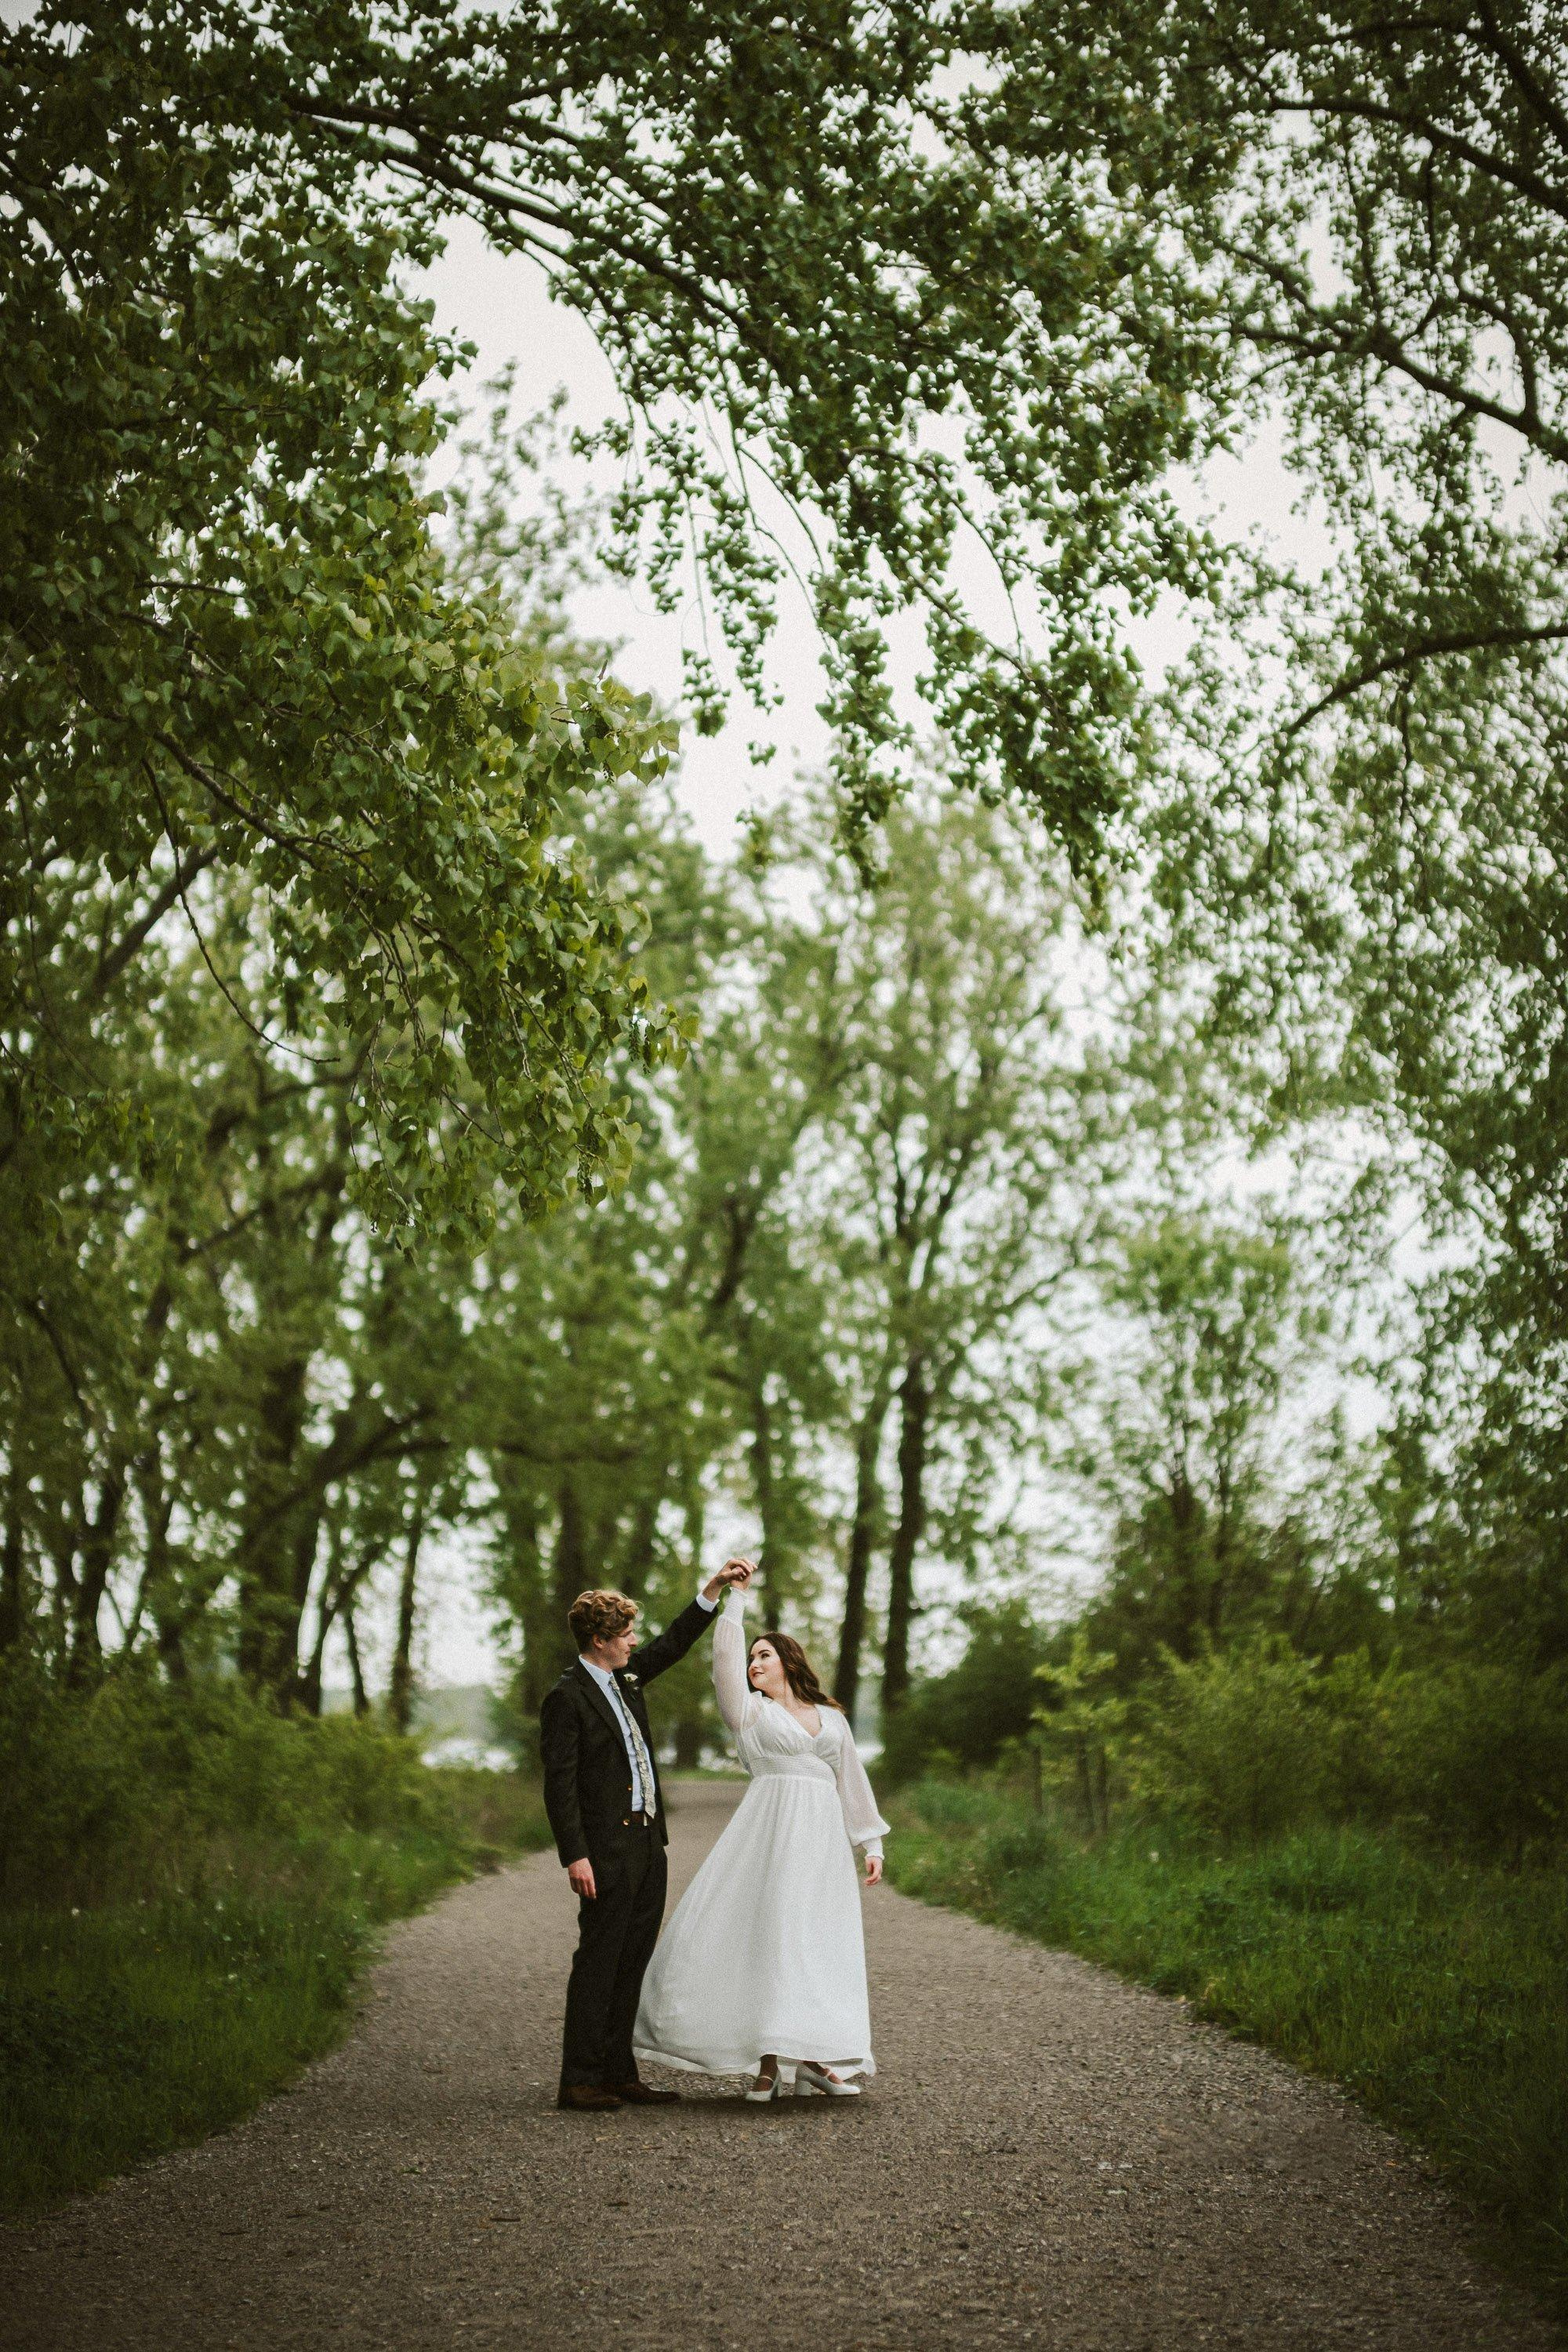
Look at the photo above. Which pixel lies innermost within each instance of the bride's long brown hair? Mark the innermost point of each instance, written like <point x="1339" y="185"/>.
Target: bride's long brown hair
<point x="799" y="1672"/>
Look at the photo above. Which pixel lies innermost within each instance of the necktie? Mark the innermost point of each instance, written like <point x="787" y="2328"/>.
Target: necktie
<point x="644" y="1761"/>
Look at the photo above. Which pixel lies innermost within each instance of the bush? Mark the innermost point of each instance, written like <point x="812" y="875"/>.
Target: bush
<point x="1234" y="1741"/>
<point x="1476" y="1754"/>
<point x="134" y="1787"/>
<point x="1256" y="1740"/>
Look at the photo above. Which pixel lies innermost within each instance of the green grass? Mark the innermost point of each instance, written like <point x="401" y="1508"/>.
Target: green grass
<point x="133" y="2025"/>
<point x="1437" y="1990"/>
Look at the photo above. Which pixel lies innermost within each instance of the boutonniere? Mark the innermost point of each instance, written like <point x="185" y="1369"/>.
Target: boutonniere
<point x="630" y="1680"/>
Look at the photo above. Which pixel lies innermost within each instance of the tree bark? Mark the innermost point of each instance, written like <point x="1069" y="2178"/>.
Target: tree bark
<point x="97" y="1558"/>
<point x="914" y="1423"/>
<point x="267" y="1627"/>
<point x="636" y="1552"/>
<point x="529" y="1592"/>
<point x="12" y="1568"/>
<point x="569" y="1576"/>
<point x="863" y="1530"/>
<point x="400" y="1690"/>
<point x="776" y="1555"/>
<point x="158" y="1596"/>
<point x="356" y="1670"/>
<point x="340" y="1589"/>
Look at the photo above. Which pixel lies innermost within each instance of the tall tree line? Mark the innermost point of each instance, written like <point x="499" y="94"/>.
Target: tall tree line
<point x="239" y="1409"/>
<point x="324" y="976"/>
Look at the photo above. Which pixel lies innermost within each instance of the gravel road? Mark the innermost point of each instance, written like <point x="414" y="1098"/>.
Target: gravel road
<point x="1047" y="2157"/>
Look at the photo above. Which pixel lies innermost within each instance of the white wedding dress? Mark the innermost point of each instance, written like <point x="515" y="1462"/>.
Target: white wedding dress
<point x="765" y="1950"/>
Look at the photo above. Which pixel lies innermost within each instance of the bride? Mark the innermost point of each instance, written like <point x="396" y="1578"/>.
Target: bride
<point x="762" y="1970"/>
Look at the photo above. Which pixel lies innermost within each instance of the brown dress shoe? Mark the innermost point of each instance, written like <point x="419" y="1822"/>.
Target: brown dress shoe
<point x="587" y="2099"/>
<point x="643" y="2094"/>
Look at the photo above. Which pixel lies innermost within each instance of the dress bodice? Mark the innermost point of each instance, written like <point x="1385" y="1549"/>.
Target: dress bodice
<point x="772" y="1740"/>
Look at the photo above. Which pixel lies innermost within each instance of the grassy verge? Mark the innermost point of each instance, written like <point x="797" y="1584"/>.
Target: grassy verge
<point x="1433" y="1989"/>
<point x="133" y="2024"/>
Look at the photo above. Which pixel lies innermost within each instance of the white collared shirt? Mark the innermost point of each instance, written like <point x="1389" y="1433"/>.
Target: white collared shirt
<point x="642" y="1799"/>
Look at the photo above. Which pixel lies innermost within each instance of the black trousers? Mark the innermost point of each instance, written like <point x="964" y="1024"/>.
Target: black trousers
<point x="616" y="1936"/>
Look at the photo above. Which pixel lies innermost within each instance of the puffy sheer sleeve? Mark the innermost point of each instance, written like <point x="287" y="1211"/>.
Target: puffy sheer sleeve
<point x="729" y="1686"/>
<point x="864" y="1822"/>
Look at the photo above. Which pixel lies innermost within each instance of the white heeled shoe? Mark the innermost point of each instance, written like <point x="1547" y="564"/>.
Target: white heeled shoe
<point x="767" y="2087"/>
<point x="808" y="2078"/>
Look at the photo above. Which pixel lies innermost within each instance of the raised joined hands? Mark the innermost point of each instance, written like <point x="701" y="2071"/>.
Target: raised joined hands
<point x="734" y="1571"/>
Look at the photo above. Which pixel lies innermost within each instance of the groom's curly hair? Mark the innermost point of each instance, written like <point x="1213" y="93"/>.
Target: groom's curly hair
<point x="599" y="1616"/>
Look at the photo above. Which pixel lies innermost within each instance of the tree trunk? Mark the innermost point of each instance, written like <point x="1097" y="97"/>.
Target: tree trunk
<point x="914" y="1421"/>
<point x="763" y="1476"/>
<point x="278" y="1549"/>
<point x="863" y="1530"/>
<point x="778" y="1547"/>
<point x="157" y="1596"/>
<point x="169" y="1635"/>
<point x="12" y="1568"/>
<point x="356" y="1671"/>
<point x="334" y="1585"/>
<point x="400" y="1690"/>
<point x="97" y="1559"/>
<point x="636" y="1552"/>
<point x="523" y="1587"/>
<point x="309" y="1684"/>
<point x="1187" y="1531"/>
<point x="268" y="1629"/>
<point x="570" y="1575"/>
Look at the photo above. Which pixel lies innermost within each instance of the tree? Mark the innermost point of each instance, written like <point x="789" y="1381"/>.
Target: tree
<point x="1357" y="844"/>
<point x="939" y="1186"/>
<point x="233" y="649"/>
<point x="1187" y="1431"/>
<point x="784" y="225"/>
<point x="968" y="1714"/>
<point x="648" y="1355"/>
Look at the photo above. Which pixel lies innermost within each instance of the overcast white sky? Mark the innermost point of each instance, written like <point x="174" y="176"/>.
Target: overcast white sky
<point x="501" y="304"/>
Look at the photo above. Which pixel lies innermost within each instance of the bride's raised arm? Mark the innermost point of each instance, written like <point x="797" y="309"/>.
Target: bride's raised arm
<point x="864" y="1822"/>
<point x="729" y="1686"/>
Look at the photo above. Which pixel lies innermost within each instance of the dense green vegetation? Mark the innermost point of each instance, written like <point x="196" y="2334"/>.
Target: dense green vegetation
<point x="1430" y="1984"/>
<point x="190" y="1890"/>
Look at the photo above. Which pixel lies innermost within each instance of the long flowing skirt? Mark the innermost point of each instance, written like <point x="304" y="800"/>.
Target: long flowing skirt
<point x="766" y="1950"/>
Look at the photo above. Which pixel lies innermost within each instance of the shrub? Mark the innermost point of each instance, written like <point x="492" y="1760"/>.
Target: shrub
<point x="1256" y="1740"/>
<point x="1234" y="1741"/>
<point x="1474" y="1753"/>
<point x="189" y="1887"/>
<point x="129" y="1786"/>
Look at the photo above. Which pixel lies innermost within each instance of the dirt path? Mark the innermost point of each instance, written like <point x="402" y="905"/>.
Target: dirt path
<point x="1048" y="2159"/>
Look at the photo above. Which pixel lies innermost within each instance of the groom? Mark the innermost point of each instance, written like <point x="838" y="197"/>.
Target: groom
<point x="602" y="1794"/>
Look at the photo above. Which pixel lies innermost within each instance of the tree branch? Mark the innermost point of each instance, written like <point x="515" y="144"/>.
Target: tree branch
<point x="1429" y="649"/>
<point x="113" y="960"/>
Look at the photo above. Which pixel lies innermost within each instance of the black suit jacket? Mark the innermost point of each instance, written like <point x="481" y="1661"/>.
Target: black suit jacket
<point x="587" y="1775"/>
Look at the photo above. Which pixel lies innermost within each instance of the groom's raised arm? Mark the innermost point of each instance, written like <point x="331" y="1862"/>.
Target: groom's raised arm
<point x="666" y="1649"/>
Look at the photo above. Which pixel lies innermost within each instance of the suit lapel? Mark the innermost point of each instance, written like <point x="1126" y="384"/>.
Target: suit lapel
<point x="599" y="1700"/>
